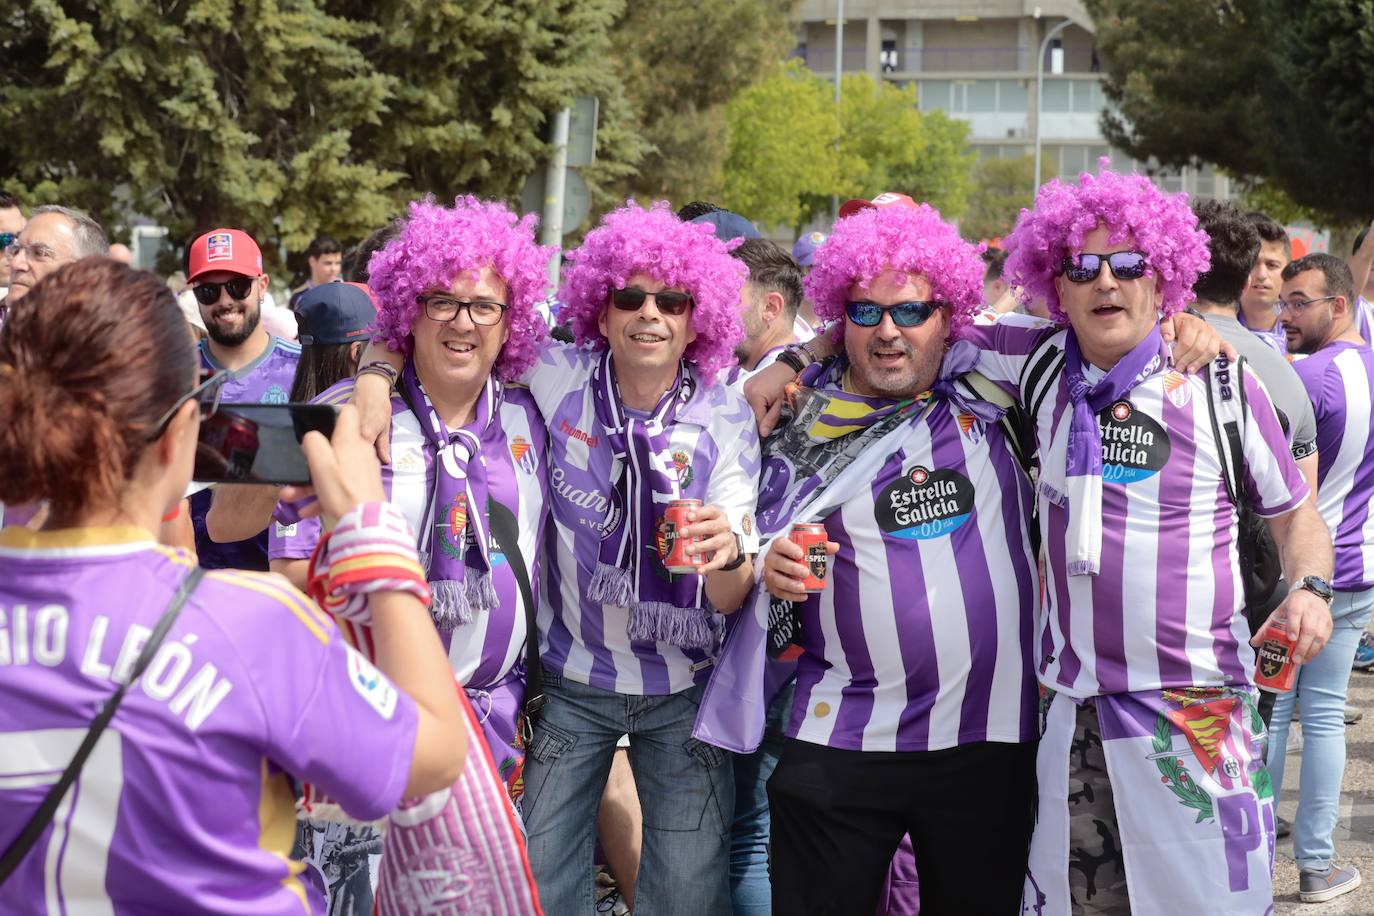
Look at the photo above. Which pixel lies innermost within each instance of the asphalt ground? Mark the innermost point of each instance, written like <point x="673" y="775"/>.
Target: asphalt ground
<point x="1355" y="828"/>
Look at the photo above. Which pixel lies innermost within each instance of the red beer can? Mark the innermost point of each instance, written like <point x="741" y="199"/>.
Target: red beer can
<point x="680" y="555"/>
<point x="811" y="538"/>
<point x="1275" y="670"/>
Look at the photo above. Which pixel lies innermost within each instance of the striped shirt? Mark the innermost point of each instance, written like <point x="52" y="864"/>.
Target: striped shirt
<point x="185" y="805"/>
<point x="715" y="450"/>
<point x="266" y="380"/>
<point x="922" y="638"/>
<point x="486" y="650"/>
<point x="1166" y="608"/>
<point x="1340" y="381"/>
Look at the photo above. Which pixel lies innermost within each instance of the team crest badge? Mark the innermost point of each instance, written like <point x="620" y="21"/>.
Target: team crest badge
<point x="1210" y="723"/>
<point x="520" y="451"/>
<point x="1176" y="389"/>
<point x="453" y="526"/>
<point x="968" y="425"/>
<point x="747" y="524"/>
<point x="684" y="469"/>
<point x="219" y="246"/>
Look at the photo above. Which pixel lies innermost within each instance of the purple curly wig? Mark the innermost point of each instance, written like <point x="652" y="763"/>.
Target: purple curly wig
<point x="914" y="240"/>
<point x="1163" y="225"/>
<point x="436" y="244"/>
<point x="633" y="240"/>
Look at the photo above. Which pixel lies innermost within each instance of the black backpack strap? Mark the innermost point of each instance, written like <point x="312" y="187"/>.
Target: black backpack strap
<point x="43" y="815"/>
<point x="507" y="535"/>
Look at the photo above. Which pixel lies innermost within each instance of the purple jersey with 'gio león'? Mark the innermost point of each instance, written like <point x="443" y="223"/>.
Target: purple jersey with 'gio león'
<point x="185" y="804"/>
<point x="921" y="639"/>
<point x="1165" y="609"/>
<point x="715" y="453"/>
<point x="266" y="380"/>
<point x="1340" y="380"/>
<point x="487" y="649"/>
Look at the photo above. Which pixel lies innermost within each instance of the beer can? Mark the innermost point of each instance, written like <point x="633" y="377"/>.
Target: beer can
<point x="680" y="555"/>
<point x="1275" y="670"/>
<point x="811" y="539"/>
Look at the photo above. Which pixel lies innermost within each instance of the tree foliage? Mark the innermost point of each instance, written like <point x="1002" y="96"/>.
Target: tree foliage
<point x="792" y="149"/>
<point x="1001" y="188"/>
<point x="1266" y="89"/>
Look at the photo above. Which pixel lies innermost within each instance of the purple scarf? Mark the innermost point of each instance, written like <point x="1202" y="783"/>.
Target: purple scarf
<point x="629" y="572"/>
<point x="454" y="548"/>
<point x="1083" y="467"/>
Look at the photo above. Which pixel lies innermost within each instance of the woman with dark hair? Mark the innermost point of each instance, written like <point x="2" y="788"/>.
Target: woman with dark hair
<point x="183" y="803"/>
<point x="335" y="321"/>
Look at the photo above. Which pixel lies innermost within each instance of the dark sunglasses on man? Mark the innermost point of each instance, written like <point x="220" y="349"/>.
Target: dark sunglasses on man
<point x="1125" y="265"/>
<point x="910" y="314"/>
<point x="631" y="299"/>
<point x="6" y="240"/>
<point x="239" y="288"/>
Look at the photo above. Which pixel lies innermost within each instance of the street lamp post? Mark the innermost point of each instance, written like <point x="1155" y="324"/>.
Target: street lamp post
<point x="839" y="71"/>
<point x="1040" y="97"/>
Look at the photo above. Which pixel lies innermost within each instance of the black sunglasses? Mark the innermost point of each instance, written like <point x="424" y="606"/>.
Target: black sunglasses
<point x="1125" y="265"/>
<point x="207" y="392"/>
<point x="911" y="314"/>
<point x="631" y="299"/>
<point x="239" y="288"/>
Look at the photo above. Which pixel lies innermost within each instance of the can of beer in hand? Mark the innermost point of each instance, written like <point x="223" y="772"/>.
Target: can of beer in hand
<point x="680" y="554"/>
<point x="1275" y="670"/>
<point x="811" y="538"/>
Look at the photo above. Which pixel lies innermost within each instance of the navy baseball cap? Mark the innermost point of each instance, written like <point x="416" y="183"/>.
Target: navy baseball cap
<point x="729" y="225"/>
<point x="804" y="252"/>
<point x="335" y="313"/>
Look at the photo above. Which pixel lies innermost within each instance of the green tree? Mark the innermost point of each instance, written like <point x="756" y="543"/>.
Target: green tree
<point x="1001" y="188"/>
<point x="1266" y="89"/>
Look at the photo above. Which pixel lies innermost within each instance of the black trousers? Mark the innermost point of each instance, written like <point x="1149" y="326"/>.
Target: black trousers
<point x="839" y="815"/>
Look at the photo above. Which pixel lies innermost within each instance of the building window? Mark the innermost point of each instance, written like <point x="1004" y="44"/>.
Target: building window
<point x="888" y="56"/>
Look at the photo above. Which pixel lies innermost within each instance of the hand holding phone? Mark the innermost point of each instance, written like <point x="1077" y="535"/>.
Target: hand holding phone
<point x="344" y="469"/>
<point x="259" y="443"/>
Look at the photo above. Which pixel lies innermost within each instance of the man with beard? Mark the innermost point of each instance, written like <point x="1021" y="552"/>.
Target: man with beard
<point x="1320" y="317"/>
<point x="227" y="279"/>
<point x="768" y="306"/>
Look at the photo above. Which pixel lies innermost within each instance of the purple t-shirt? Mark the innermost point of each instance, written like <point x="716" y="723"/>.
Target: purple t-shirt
<point x="185" y="805"/>
<point x="266" y="380"/>
<point x="1340" y="381"/>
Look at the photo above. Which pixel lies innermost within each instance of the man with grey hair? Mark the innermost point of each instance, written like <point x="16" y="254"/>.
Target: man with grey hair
<point x="54" y="236"/>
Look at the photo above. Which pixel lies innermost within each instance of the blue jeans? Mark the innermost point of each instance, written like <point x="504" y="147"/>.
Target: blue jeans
<point x="1321" y="690"/>
<point x="686" y="793"/>
<point x="750" y="886"/>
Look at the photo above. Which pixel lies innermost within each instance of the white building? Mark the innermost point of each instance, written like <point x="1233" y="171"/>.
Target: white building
<point x="975" y="60"/>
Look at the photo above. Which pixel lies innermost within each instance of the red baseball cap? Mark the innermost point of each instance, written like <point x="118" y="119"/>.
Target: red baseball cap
<point x="230" y="250"/>
<point x="885" y="199"/>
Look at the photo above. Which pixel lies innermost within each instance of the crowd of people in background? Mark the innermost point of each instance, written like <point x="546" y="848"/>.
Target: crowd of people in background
<point x="1070" y="487"/>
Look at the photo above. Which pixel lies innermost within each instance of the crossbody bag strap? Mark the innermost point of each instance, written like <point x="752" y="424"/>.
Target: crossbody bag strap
<point x="507" y="536"/>
<point x="43" y="816"/>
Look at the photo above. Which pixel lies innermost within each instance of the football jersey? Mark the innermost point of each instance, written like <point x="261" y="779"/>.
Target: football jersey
<point x="1166" y="608"/>
<point x="514" y="447"/>
<point x="715" y="452"/>
<point x="185" y="805"/>
<point x="1340" y="381"/>
<point x="266" y="380"/>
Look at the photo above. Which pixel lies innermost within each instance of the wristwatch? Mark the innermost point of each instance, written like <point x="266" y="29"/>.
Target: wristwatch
<point x="1317" y="586"/>
<point x="740" y="555"/>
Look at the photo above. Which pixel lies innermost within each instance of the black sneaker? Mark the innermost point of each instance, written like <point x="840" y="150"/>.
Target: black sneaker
<point x="1316" y="886"/>
<point x="1282" y="827"/>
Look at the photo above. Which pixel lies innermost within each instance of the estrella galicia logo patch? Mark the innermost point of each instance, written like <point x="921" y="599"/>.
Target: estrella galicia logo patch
<point x="1134" y="446"/>
<point x="924" y="504"/>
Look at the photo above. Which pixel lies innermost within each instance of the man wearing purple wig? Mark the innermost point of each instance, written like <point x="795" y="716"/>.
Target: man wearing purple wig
<point x="636" y="420"/>
<point x="456" y="292"/>
<point x="1153" y="794"/>
<point x="914" y="709"/>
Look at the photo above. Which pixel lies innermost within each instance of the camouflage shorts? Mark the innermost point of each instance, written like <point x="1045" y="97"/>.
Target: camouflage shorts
<point x="1097" y="871"/>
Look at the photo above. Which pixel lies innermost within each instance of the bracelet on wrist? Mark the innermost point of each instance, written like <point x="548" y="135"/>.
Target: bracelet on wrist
<point x="382" y="368"/>
<point x="792" y="359"/>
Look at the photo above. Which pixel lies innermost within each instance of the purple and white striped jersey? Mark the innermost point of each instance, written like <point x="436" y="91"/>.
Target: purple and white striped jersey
<point x="922" y="638"/>
<point x="1274" y="337"/>
<point x="715" y="448"/>
<point x="1166" y="608"/>
<point x="515" y="445"/>
<point x="266" y="380"/>
<point x="185" y="804"/>
<point x="1364" y="318"/>
<point x="1340" y="381"/>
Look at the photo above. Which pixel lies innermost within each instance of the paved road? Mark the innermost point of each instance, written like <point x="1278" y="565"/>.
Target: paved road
<point x="1354" y="830"/>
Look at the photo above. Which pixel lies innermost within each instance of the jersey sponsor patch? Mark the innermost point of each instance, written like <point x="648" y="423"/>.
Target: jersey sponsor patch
<point x="219" y="246"/>
<point x="371" y="684"/>
<point x="1134" y="447"/>
<point x="924" y="504"/>
<point x="286" y="531"/>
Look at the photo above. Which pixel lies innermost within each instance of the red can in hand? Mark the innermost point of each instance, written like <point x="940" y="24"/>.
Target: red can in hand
<point x="680" y="555"/>
<point x="811" y="539"/>
<point x="1275" y="670"/>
